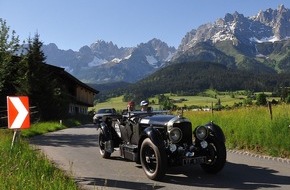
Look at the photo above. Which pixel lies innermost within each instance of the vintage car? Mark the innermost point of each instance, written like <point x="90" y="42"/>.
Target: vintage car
<point x="103" y="112"/>
<point x="158" y="141"/>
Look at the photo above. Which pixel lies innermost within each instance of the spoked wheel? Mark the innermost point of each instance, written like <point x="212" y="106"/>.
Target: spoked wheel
<point x="216" y="157"/>
<point x="103" y="152"/>
<point x="153" y="160"/>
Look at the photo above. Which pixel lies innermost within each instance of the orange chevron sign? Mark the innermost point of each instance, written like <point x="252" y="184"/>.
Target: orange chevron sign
<point x="18" y="112"/>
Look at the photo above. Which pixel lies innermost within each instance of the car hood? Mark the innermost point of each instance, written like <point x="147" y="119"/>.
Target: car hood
<point x="101" y="114"/>
<point x="162" y="120"/>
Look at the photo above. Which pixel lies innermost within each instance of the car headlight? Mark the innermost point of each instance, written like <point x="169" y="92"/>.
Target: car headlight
<point x="175" y="135"/>
<point x="201" y="132"/>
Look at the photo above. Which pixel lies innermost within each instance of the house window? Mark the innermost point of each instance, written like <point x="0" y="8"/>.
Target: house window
<point x="71" y="109"/>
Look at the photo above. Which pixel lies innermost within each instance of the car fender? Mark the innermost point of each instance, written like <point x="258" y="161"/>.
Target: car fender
<point x="154" y="136"/>
<point x="216" y="131"/>
<point x="106" y="131"/>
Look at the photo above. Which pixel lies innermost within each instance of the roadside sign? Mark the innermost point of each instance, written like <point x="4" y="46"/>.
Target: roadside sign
<point x="18" y="112"/>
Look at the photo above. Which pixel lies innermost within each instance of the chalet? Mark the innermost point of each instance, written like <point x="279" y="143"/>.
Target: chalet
<point x="81" y="95"/>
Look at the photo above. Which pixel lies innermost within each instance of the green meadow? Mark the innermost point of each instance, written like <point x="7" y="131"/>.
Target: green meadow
<point x="205" y="99"/>
<point x="251" y="128"/>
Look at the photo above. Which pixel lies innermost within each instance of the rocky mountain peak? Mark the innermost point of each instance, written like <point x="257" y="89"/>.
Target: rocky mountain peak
<point x="269" y="25"/>
<point x="233" y="17"/>
<point x="281" y="8"/>
<point x="107" y="51"/>
<point x="277" y="19"/>
<point x="85" y="50"/>
<point x="101" y="48"/>
<point x="101" y="45"/>
<point x="51" y="46"/>
<point x="159" y="48"/>
<point x="270" y="17"/>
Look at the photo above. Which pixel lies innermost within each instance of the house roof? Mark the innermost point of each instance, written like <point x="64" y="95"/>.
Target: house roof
<point x="68" y="76"/>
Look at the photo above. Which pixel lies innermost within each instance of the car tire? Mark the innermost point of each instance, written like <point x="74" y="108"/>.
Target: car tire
<point x="216" y="157"/>
<point x="103" y="152"/>
<point x="153" y="160"/>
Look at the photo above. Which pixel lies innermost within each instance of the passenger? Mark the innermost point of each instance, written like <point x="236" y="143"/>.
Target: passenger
<point x="145" y="106"/>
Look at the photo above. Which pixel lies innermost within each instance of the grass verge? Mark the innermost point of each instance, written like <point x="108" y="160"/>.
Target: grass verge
<point x="23" y="168"/>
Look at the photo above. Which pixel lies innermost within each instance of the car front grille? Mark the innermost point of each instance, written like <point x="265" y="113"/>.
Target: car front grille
<point x="186" y="130"/>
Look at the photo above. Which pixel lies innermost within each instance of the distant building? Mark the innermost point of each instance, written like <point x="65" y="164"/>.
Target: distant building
<point x="81" y="95"/>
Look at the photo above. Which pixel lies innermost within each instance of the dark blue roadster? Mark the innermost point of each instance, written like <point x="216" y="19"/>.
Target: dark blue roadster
<point x="158" y="141"/>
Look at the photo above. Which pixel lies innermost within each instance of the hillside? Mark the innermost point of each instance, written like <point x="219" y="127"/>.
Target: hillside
<point x="194" y="77"/>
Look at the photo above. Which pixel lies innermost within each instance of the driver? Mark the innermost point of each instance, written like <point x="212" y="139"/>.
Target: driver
<point x="131" y="106"/>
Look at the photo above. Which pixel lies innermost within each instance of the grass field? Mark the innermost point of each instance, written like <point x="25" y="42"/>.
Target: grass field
<point x="203" y="101"/>
<point x="208" y="98"/>
<point x="252" y="128"/>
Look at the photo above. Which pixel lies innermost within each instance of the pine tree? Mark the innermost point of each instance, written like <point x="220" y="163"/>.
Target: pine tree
<point x="9" y="45"/>
<point x="35" y="81"/>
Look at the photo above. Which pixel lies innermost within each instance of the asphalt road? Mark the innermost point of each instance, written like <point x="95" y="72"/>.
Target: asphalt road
<point x="76" y="151"/>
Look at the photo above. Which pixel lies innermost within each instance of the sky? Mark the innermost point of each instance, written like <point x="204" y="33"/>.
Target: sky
<point x="72" y="24"/>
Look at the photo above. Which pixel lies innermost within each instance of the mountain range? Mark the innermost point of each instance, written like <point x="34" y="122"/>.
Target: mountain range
<point x="258" y="44"/>
<point x="104" y="62"/>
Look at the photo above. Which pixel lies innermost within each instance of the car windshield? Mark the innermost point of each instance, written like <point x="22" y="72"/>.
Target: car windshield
<point x="106" y="111"/>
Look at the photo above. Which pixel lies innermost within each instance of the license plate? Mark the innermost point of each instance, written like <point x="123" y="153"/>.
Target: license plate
<point x="194" y="160"/>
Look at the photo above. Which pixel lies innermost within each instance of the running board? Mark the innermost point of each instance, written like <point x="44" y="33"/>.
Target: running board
<point x="129" y="152"/>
